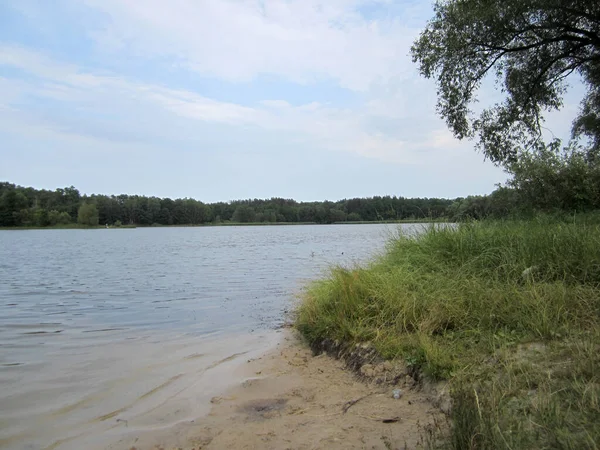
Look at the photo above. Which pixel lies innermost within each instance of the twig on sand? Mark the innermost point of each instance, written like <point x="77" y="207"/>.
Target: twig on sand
<point x="324" y="415"/>
<point x="349" y="404"/>
<point x="382" y="419"/>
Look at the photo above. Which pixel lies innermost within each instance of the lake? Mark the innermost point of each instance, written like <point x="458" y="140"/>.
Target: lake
<point x="112" y="332"/>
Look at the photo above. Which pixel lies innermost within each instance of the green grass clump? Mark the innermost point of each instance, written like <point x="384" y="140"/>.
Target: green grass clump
<point x="507" y="311"/>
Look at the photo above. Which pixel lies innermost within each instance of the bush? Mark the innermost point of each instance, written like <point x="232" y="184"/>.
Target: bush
<point x="58" y="218"/>
<point x="63" y="218"/>
<point x="552" y="181"/>
<point x="87" y="215"/>
<point x="41" y="217"/>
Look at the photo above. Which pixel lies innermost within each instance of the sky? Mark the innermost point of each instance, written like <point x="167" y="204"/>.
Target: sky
<point x="226" y="99"/>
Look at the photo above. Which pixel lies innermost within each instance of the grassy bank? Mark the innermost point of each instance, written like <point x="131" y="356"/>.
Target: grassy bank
<point x="508" y="312"/>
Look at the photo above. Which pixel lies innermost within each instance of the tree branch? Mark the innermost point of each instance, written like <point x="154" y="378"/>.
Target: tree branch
<point x="575" y="12"/>
<point x="545" y="70"/>
<point x="541" y="43"/>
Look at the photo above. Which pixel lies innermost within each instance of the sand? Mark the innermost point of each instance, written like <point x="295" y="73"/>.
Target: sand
<point x="290" y="399"/>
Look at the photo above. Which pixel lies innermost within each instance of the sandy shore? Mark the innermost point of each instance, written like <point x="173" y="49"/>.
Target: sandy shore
<point x="290" y="399"/>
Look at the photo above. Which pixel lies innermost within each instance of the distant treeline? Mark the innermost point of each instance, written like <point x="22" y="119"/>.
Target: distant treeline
<point x="26" y="206"/>
<point x="548" y="182"/>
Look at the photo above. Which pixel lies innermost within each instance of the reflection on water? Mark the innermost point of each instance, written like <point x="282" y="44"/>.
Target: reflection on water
<point x="105" y="333"/>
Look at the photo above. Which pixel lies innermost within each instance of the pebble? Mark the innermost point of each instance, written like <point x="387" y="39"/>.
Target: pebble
<point x="397" y="393"/>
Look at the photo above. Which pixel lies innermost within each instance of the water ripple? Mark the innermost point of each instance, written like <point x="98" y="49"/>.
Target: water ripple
<point x="97" y="324"/>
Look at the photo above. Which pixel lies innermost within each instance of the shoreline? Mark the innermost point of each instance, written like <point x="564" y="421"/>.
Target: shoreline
<point x="289" y="398"/>
<point x="227" y="224"/>
<point x="505" y="312"/>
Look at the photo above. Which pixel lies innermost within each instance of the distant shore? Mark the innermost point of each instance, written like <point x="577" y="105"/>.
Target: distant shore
<point x="71" y="226"/>
<point x="221" y="224"/>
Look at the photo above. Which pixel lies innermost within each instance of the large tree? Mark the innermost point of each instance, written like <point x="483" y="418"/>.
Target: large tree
<point x="531" y="47"/>
<point x="87" y="214"/>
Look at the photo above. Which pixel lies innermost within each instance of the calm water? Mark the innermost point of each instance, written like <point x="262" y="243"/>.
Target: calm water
<point x="109" y="333"/>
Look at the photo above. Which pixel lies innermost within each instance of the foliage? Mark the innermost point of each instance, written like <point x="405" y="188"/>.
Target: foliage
<point x="509" y="312"/>
<point x="531" y="47"/>
<point x="19" y="205"/>
<point x="243" y="213"/>
<point x="11" y="202"/>
<point x="87" y="215"/>
<point x="547" y="180"/>
<point x="58" y="218"/>
<point x="41" y="217"/>
<point x="543" y="181"/>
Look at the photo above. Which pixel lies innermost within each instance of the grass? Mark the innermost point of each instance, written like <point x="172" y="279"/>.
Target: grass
<point x="509" y="312"/>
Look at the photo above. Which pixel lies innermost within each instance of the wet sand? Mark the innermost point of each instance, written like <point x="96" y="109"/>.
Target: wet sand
<point x="106" y="395"/>
<point x="290" y="399"/>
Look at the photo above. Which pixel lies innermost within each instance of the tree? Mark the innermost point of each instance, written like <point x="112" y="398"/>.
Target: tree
<point x="243" y="213"/>
<point x="87" y="214"/>
<point x="531" y="47"/>
<point x="41" y="217"/>
<point x="58" y="218"/>
<point x="11" y="202"/>
<point x="354" y="217"/>
<point x="549" y="180"/>
<point x="336" y="215"/>
<point x="306" y="213"/>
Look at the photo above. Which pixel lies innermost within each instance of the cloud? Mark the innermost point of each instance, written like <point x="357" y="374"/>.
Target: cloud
<point x="76" y="89"/>
<point x="303" y="41"/>
<point x="319" y="85"/>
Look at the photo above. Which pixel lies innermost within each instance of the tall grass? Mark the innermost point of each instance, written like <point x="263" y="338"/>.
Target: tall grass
<point x="466" y="303"/>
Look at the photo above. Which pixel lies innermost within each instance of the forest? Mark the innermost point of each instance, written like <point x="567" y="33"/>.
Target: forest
<point x="30" y="207"/>
<point x="548" y="183"/>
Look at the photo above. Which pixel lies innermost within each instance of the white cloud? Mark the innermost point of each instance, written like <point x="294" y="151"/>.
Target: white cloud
<point x="300" y="40"/>
<point x="388" y="112"/>
<point x="326" y="127"/>
<point x="101" y="94"/>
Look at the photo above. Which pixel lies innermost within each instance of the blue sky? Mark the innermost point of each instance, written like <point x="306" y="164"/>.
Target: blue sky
<point x="226" y="99"/>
